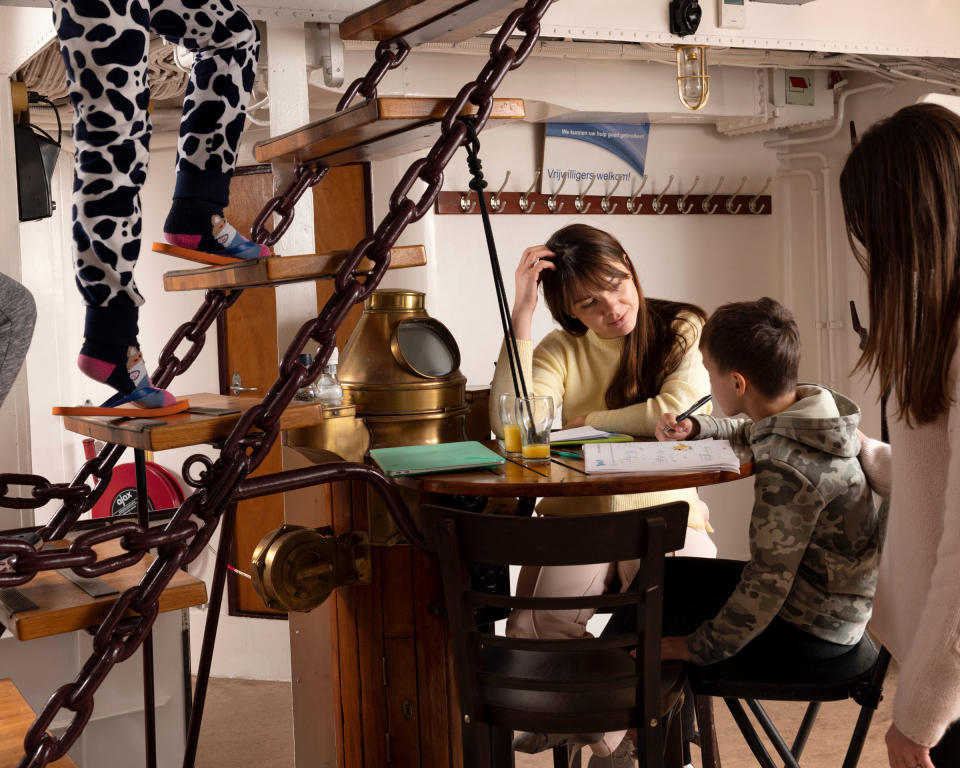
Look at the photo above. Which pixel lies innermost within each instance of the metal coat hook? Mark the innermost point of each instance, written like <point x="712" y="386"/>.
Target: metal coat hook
<point x="552" y="205"/>
<point x="578" y="202"/>
<point x="752" y="205"/>
<point x="705" y="205"/>
<point x="636" y="196"/>
<point x="525" y="204"/>
<point x="659" y="207"/>
<point x="682" y="202"/>
<point x="466" y="204"/>
<point x="730" y="199"/>
<point x="605" y="202"/>
<point x="496" y="204"/>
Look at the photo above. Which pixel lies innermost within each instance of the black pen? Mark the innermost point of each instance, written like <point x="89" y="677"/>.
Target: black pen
<point x="687" y="413"/>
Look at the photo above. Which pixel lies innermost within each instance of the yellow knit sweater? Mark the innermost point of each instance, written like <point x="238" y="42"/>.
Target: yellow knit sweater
<point x="576" y="371"/>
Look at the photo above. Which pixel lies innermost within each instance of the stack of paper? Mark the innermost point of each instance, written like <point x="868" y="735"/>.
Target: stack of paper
<point x="579" y="435"/>
<point x="665" y="458"/>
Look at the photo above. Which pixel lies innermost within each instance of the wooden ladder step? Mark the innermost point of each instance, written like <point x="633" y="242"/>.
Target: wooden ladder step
<point x="424" y="21"/>
<point x="375" y="129"/>
<point x="280" y="269"/>
<point x="209" y="418"/>
<point x="62" y="606"/>
<point x="16" y="717"/>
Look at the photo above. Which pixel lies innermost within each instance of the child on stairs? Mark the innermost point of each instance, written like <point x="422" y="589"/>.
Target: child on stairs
<point x="105" y="46"/>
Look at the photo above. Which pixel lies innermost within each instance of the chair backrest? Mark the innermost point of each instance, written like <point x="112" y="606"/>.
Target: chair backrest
<point x="557" y="686"/>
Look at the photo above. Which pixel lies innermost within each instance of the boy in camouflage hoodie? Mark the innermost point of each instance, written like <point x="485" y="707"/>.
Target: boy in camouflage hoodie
<point x="808" y="587"/>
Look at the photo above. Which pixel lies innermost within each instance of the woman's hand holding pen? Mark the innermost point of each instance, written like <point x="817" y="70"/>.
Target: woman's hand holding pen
<point x="533" y="261"/>
<point x="668" y="428"/>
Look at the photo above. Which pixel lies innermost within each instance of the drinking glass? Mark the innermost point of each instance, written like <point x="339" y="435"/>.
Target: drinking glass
<point x="508" y="417"/>
<point x="535" y="417"/>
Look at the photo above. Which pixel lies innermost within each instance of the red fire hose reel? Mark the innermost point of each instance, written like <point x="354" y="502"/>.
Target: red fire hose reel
<point x="163" y="489"/>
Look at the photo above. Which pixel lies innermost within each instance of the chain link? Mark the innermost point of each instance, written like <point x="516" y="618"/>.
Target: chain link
<point x="119" y="635"/>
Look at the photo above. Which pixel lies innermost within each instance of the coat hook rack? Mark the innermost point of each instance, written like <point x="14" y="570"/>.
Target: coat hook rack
<point x="552" y="205"/>
<point x="466" y="204"/>
<point x="752" y="205"/>
<point x="705" y="205"/>
<point x="525" y="203"/>
<point x="578" y="203"/>
<point x="496" y="204"/>
<point x="681" y="202"/>
<point x="729" y="205"/>
<point x="636" y="197"/>
<point x="605" y="202"/>
<point x="659" y="207"/>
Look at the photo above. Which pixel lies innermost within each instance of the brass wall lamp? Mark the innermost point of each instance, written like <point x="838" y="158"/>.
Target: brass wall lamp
<point x="693" y="80"/>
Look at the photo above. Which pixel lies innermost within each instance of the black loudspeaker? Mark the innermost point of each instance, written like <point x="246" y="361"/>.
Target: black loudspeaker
<point x="36" y="158"/>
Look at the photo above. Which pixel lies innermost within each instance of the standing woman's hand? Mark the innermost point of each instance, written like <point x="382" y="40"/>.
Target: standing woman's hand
<point x="533" y="261"/>
<point x="904" y="753"/>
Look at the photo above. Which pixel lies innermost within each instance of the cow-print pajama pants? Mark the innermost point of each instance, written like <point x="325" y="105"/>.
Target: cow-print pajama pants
<point x="105" y="45"/>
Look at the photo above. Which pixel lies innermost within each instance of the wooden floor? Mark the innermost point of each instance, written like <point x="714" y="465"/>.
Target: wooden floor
<point x="248" y="724"/>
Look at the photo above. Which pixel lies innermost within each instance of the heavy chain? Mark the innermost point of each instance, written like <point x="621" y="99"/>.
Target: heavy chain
<point x="389" y="55"/>
<point x="119" y="636"/>
<point x="78" y="496"/>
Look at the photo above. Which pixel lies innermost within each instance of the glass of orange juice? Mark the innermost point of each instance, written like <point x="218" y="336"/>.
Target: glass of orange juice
<point x="508" y="418"/>
<point x="535" y="417"/>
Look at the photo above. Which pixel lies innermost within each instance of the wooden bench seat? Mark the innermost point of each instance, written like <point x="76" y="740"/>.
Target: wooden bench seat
<point x="280" y="269"/>
<point x="209" y="418"/>
<point x="62" y="606"/>
<point x="16" y="717"/>
<point x="375" y="129"/>
<point x="424" y="21"/>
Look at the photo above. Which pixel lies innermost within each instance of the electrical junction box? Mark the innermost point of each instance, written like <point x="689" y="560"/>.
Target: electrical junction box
<point x="797" y="87"/>
<point x="732" y="13"/>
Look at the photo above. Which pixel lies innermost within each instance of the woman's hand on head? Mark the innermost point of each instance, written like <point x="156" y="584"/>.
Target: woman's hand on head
<point x="904" y="753"/>
<point x="534" y="260"/>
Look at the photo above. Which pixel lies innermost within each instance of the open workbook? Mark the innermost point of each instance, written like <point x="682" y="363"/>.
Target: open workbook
<point x="654" y="458"/>
<point x="581" y="435"/>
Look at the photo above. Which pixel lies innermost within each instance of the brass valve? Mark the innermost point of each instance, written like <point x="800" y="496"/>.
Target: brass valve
<point x="296" y="568"/>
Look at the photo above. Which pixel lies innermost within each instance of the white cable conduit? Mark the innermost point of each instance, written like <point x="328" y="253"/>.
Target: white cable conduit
<point x="819" y="325"/>
<point x="832" y="324"/>
<point x="838" y="124"/>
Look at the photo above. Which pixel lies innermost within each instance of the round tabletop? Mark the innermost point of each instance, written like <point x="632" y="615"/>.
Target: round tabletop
<point x="563" y="476"/>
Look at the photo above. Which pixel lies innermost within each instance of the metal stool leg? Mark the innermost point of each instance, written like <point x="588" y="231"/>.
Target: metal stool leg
<point x="149" y="715"/>
<point x="749" y="733"/>
<point x="209" y="635"/>
<point x="803" y="733"/>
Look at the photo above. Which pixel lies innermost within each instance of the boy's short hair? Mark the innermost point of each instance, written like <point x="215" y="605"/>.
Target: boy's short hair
<point x="757" y="339"/>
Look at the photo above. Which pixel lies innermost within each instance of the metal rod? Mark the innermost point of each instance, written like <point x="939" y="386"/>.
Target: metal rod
<point x="806" y="725"/>
<point x="209" y="636"/>
<point x="149" y="715"/>
<point x="772" y="733"/>
<point x="749" y="733"/>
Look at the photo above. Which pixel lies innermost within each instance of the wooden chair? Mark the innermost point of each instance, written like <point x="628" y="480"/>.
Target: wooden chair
<point x="582" y="685"/>
<point x="857" y="674"/>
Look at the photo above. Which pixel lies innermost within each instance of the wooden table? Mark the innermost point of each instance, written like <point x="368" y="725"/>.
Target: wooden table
<point x="562" y="476"/>
<point x="394" y="694"/>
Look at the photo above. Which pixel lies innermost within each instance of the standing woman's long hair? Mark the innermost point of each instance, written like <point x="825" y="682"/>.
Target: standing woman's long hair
<point x="588" y="259"/>
<point x="901" y="200"/>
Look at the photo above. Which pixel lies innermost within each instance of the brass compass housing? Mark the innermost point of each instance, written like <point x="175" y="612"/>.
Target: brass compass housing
<point x="296" y="568"/>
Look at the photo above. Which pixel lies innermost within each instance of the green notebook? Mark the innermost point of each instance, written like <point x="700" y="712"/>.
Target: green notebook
<point x="443" y="457"/>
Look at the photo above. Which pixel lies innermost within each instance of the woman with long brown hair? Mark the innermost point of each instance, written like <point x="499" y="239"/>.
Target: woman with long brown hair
<point x="618" y="361"/>
<point x="901" y="199"/>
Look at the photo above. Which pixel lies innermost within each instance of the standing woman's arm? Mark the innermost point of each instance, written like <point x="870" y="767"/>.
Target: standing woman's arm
<point x="928" y="692"/>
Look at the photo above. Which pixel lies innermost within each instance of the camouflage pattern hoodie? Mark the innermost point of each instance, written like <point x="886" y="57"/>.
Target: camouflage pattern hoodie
<point x="814" y="533"/>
